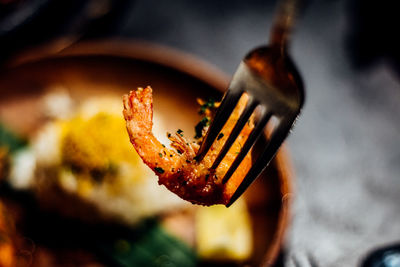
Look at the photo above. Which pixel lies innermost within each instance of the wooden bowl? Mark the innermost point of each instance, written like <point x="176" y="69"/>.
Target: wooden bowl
<point x="114" y="68"/>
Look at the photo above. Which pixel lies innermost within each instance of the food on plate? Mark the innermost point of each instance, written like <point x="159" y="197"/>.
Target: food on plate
<point x="81" y="158"/>
<point x="177" y="167"/>
<point x="89" y="159"/>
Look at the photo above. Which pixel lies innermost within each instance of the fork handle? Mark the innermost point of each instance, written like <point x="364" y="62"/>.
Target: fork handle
<point x="286" y="14"/>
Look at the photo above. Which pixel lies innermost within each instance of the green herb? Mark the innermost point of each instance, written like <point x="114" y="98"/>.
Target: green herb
<point x="148" y="244"/>
<point x="200" y="126"/>
<point x="159" y="170"/>
<point x="209" y="104"/>
<point x="163" y="145"/>
<point x="168" y="135"/>
<point x="220" y="136"/>
<point x="10" y="140"/>
<point x="180" y="132"/>
<point x="160" y="154"/>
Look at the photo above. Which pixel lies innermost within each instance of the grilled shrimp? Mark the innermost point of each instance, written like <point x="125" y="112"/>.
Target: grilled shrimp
<point x="177" y="167"/>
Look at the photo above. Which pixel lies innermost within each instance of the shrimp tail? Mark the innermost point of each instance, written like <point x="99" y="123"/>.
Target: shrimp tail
<point x="138" y="110"/>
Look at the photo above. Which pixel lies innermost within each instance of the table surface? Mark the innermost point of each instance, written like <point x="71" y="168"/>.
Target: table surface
<point x="345" y="147"/>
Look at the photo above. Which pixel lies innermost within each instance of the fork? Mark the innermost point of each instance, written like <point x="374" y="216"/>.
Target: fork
<point x="272" y="82"/>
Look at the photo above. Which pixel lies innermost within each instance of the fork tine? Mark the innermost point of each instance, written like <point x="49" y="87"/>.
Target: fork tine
<point x="224" y="111"/>
<point x="262" y="162"/>
<point x="254" y="135"/>
<point x="244" y="117"/>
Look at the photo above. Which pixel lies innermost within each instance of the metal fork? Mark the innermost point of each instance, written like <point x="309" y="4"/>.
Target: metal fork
<point x="269" y="77"/>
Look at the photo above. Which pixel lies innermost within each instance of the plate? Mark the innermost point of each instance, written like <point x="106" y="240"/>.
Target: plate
<point x="114" y="68"/>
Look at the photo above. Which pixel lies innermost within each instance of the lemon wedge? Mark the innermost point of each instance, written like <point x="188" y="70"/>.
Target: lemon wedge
<point x="224" y="233"/>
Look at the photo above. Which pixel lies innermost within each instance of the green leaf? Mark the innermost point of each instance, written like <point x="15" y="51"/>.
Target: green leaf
<point x="10" y="140"/>
<point x="147" y="245"/>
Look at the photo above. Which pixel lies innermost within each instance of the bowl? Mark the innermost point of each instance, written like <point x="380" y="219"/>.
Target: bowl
<point x="114" y="68"/>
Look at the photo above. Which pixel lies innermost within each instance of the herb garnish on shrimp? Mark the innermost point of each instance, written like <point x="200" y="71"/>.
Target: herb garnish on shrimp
<point x="177" y="168"/>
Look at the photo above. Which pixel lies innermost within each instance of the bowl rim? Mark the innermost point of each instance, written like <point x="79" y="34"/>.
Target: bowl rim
<point x="186" y="63"/>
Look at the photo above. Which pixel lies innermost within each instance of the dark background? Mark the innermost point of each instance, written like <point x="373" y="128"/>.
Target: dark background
<point x="346" y="145"/>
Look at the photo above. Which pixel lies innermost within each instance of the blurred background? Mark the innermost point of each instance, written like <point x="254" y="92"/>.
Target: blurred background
<point x="346" y="144"/>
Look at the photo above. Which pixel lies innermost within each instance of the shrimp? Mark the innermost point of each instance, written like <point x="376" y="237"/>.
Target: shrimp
<point x="177" y="167"/>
